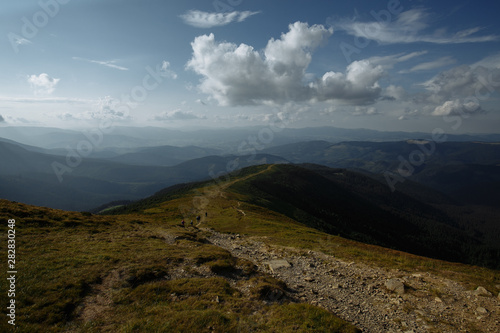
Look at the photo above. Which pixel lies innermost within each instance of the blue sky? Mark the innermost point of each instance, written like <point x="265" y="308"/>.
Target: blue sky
<point x="385" y="65"/>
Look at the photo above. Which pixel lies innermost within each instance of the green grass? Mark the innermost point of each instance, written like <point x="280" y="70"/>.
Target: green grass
<point x="158" y="276"/>
<point x="161" y="277"/>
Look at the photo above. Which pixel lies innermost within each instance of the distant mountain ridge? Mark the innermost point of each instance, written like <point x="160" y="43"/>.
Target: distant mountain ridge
<point x="450" y="167"/>
<point x="29" y="177"/>
<point x="227" y="139"/>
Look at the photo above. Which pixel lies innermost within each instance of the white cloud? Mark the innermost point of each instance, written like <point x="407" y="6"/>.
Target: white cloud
<point x="2" y="119"/>
<point x="21" y="41"/>
<point x="425" y="66"/>
<point x="388" y="62"/>
<point x="200" y="19"/>
<point x="410" y="114"/>
<point x="393" y="92"/>
<point x="240" y="75"/>
<point x="365" y="111"/>
<point x="106" y="108"/>
<point x="457" y="107"/>
<point x="331" y="109"/>
<point x="492" y="61"/>
<point x="40" y="99"/>
<point x="408" y="27"/>
<point x="110" y="64"/>
<point x="463" y="81"/>
<point x="165" y="70"/>
<point x="43" y="84"/>
<point x="176" y="115"/>
<point x="359" y="85"/>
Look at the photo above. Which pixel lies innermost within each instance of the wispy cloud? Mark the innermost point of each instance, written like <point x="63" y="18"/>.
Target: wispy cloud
<point x="410" y="27"/>
<point x="492" y="61"/>
<point x="110" y="64"/>
<point x="388" y="62"/>
<point x="165" y="70"/>
<point x="425" y="66"/>
<point x="32" y="100"/>
<point x="42" y="84"/>
<point x="21" y="41"/>
<point x="200" y="19"/>
<point x="177" y="114"/>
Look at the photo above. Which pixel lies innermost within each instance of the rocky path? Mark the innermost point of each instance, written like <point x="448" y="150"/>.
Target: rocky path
<point x="373" y="299"/>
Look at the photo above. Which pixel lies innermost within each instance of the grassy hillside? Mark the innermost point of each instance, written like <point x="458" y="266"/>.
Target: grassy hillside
<point x="454" y="168"/>
<point x="141" y="271"/>
<point x="362" y="209"/>
<point x="136" y="273"/>
<point x="224" y="200"/>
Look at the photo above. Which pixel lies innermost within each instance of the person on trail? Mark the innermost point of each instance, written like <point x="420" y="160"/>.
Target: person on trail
<point x="182" y="222"/>
<point x="198" y="218"/>
<point x="206" y="214"/>
<point x="191" y="223"/>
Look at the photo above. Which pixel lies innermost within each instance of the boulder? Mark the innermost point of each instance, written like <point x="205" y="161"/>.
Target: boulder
<point x="480" y="291"/>
<point x="481" y="310"/>
<point x="274" y="265"/>
<point x="395" y="285"/>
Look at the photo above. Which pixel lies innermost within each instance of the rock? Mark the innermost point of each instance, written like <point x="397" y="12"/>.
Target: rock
<point x="438" y="300"/>
<point x="480" y="291"/>
<point x="309" y="279"/>
<point x="274" y="265"/>
<point x="336" y="286"/>
<point x="395" y="285"/>
<point x="481" y="310"/>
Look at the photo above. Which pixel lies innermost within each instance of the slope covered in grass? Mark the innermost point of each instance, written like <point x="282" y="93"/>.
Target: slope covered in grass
<point x="135" y="273"/>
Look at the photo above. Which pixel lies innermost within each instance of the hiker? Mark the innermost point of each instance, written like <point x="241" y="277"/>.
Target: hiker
<point x="206" y="214"/>
<point x="182" y="222"/>
<point x="191" y="223"/>
<point x="198" y="218"/>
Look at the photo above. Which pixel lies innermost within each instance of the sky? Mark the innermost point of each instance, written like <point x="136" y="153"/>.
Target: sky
<point x="396" y="65"/>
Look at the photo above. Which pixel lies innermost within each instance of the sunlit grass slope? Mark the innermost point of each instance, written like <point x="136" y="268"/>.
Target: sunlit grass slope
<point x="139" y="273"/>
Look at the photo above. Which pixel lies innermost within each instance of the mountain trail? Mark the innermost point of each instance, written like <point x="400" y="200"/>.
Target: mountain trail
<point x="372" y="298"/>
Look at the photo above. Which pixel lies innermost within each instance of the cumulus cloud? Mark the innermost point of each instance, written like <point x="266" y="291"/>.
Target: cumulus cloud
<point x="458" y="107"/>
<point x="359" y="85"/>
<point x="42" y="84"/>
<point x="240" y="75"/>
<point x="110" y="64"/>
<point x="409" y="27"/>
<point x="176" y="115"/>
<point x="200" y="19"/>
<point x="393" y="93"/>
